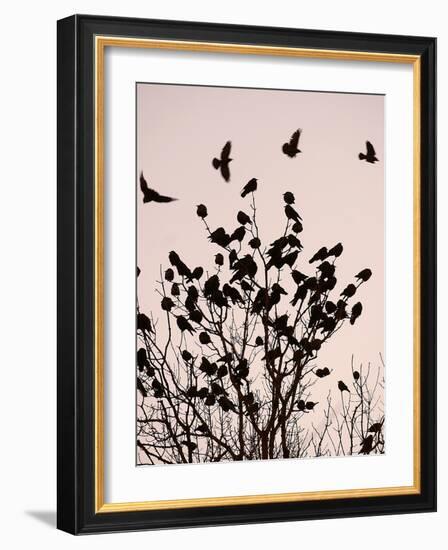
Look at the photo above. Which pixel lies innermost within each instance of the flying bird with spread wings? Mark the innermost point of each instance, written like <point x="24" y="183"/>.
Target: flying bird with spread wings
<point x="223" y="162"/>
<point x="291" y="148"/>
<point x="370" y="155"/>
<point x="150" y="195"/>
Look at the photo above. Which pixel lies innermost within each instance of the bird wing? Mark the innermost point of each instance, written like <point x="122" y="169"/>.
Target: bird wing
<point x="294" y="141"/>
<point x="143" y="183"/>
<point x="225" y="171"/>
<point x="370" y="149"/>
<point x="225" y="153"/>
<point x="161" y="198"/>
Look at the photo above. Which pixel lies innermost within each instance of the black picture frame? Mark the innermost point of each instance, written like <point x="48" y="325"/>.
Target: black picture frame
<point x="76" y="511"/>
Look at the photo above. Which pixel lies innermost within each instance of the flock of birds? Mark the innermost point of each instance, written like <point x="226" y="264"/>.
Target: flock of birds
<point x="290" y="149"/>
<point x="247" y="267"/>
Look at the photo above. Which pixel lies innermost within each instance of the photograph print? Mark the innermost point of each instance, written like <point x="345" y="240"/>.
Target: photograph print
<point x="260" y="274"/>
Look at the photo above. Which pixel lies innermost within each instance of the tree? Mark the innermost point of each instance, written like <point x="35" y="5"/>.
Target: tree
<point x="234" y="378"/>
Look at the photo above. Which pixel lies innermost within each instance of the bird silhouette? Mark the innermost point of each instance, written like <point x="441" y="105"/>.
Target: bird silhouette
<point x="356" y="312"/>
<point x="291" y="148"/>
<point x="166" y="303"/>
<point x="186" y="355"/>
<point x="336" y="251"/>
<point x="288" y="197"/>
<point x="158" y="388"/>
<point x="342" y="387"/>
<point x="349" y="291"/>
<point x="356" y="375"/>
<point x="254" y="243"/>
<point x="220" y="237"/>
<point x="142" y="359"/>
<point x="196" y="316"/>
<point x="292" y="214"/>
<point x="297" y="227"/>
<point x="211" y="285"/>
<point x="182" y="269"/>
<point x="219" y="259"/>
<point x="310" y="405"/>
<point x="276" y="294"/>
<point x="204" y="338"/>
<point x="376" y="427"/>
<point x="226" y="404"/>
<point x="223" y="162"/>
<point x="294" y="241"/>
<point x="202" y="393"/>
<point x="243" y="218"/>
<point x="301" y="405"/>
<point x="364" y="275"/>
<point x="243" y="267"/>
<point x="232" y="293"/>
<point x="144" y="323"/>
<point x="207" y="367"/>
<point x="370" y="155"/>
<point x="233" y="257"/>
<point x="175" y="290"/>
<point x="320" y="255"/>
<point x="210" y="400"/>
<point x="250" y="187"/>
<point x="196" y="274"/>
<point x="150" y="195"/>
<point x="169" y="275"/>
<point x="298" y="277"/>
<point x="222" y="371"/>
<point x="141" y="388"/>
<point x="321" y="373"/>
<point x="184" y="325"/>
<point x="300" y="294"/>
<point x="201" y="211"/>
<point x="367" y="445"/>
<point x="238" y="234"/>
<point x="260" y="301"/>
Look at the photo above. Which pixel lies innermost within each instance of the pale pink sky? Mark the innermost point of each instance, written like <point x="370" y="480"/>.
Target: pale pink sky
<point x="181" y="128"/>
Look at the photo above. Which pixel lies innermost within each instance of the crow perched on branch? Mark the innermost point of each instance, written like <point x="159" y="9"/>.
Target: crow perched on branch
<point x="364" y="275"/>
<point x="250" y="187"/>
<point x="182" y="269"/>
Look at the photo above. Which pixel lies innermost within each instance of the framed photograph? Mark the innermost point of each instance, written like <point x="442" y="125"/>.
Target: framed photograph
<point x="246" y="271"/>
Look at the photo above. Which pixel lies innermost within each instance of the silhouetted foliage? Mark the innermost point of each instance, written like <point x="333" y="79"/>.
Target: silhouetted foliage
<point x="234" y="378"/>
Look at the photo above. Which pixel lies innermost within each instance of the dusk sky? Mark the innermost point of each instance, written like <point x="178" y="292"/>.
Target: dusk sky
<point x="181" y="128"/>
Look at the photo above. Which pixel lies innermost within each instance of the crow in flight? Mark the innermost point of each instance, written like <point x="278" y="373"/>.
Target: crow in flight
<point x="370" y="155"/>
<point x="250" y="187"/>
<point x="291" y="148"/>
<point x="150" y="195"/>
<point x="223" y="162"/>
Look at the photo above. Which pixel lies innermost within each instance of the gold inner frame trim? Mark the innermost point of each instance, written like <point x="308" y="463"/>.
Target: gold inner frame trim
<point x="101" y="42"/>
